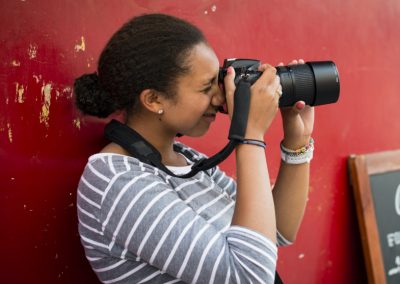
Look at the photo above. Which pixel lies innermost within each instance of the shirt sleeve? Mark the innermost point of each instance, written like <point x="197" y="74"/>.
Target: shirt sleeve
<point x="144" y="219"/>
<point x="225" y="182"/>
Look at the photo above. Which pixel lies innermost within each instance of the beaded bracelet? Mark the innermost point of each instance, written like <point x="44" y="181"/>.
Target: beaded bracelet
<point x="299" y="156"/>
<point x="253" y="142"/>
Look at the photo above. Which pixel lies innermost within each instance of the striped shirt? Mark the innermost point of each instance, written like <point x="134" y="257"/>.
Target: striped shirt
<point x="140" y="225"/>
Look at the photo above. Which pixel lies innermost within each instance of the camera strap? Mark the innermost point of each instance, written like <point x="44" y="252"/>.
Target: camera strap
<point x="141" y="149"/>
<point x="240" y="115"/>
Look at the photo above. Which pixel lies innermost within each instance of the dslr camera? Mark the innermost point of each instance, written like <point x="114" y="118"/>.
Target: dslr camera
<point x="315" y="83"/>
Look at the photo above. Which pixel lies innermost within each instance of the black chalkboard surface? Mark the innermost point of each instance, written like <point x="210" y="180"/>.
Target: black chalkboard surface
<point x="386" y="195"/>
<point x="375" y="179"/>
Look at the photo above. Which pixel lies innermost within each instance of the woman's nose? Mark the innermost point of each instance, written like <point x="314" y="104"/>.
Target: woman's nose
<point x="218" y="98"/>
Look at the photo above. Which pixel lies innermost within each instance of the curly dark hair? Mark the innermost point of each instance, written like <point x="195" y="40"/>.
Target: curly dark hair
<point x="148" y="52"/>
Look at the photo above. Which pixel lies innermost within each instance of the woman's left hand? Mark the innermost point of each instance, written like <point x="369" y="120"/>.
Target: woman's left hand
<point x="298" y="121"/>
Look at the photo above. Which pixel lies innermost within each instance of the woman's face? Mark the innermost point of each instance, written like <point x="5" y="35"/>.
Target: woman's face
<point x="197" y="96"/>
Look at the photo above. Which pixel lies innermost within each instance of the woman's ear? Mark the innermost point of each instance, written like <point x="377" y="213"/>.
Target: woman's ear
<point x="151" y="100"/>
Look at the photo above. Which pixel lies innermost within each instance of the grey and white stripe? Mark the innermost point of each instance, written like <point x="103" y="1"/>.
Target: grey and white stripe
<point x="138" y="224"/>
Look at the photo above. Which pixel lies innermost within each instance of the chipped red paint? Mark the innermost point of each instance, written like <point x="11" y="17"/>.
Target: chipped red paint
<point x="44" y="142"/>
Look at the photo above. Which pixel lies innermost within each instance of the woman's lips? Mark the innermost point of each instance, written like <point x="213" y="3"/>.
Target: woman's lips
<point x="210" y="117"/>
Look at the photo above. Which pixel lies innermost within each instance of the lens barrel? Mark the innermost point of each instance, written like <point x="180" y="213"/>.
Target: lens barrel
<point x="315" y="83"/>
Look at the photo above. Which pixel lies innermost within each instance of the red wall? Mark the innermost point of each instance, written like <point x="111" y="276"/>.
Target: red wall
<point x="44" y="142"/>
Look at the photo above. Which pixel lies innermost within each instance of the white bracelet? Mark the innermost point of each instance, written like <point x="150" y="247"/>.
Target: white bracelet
<point x="299" y="159"/>
<point x="299" y="156"/>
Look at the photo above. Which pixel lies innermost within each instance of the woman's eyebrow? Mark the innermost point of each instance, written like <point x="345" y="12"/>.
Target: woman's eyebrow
<point x="209" y="81"/>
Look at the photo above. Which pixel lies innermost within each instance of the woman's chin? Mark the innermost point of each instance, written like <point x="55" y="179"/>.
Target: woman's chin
<point x="195" y="132"/>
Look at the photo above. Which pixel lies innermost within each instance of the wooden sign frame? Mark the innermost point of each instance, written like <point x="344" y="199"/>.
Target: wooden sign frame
<point x="360" y="168"/>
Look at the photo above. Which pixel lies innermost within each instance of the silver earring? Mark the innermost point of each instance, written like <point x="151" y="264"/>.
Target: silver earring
<point x="160" y="111"/>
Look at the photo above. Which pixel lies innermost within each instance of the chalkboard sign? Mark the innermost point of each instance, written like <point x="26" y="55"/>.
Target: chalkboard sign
<point x="375" y="179"/>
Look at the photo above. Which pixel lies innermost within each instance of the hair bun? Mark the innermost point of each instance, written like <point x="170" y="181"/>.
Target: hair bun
<point x="90" y="98"/>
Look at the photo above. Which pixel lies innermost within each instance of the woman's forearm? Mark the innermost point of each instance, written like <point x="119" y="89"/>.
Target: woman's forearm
<point x="290" y="197"/>
<point x="254" y="203"/>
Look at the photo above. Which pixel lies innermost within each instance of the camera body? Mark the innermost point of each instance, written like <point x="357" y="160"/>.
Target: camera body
<point x="315" y="82"/>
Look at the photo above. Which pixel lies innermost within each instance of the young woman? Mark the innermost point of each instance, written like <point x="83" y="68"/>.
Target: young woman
<point x="140" y="225"/>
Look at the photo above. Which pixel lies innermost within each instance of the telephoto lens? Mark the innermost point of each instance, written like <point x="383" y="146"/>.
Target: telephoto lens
<point x="315" y="82"/>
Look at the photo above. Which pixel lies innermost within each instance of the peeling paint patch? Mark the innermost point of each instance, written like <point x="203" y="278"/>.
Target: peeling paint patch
<point x="67" y="92"/>
<point x="81" y="46"/>
<point x="30" y="210"/>
<point x="58" y="94"/>
<point x="32" y="51"/>
<point x="67" y="89"/>
<point x="10" y="133"/>
<point x="45" y="112"/>
<point x="19" y="93"/>
<point x="37" y="78"/>
<point x="77" y="123"/>
<point x="89" y="61"/>
<point x="15" y="63"/>
<point x="213" y="9"/>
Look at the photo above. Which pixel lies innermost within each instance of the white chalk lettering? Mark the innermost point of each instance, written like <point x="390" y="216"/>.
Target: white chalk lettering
<point x="393" y="239"/>
<point x="397" y="201"/>
<point x="395" y="270"/>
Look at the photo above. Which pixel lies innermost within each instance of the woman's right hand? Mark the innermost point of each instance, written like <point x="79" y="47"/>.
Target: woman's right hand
<point x="254" y="206"/>
<point x="263" y="103"/>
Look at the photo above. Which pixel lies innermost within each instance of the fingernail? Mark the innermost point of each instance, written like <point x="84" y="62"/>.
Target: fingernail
<point x="300" y="105"/>
<point x="229" y="70"/>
